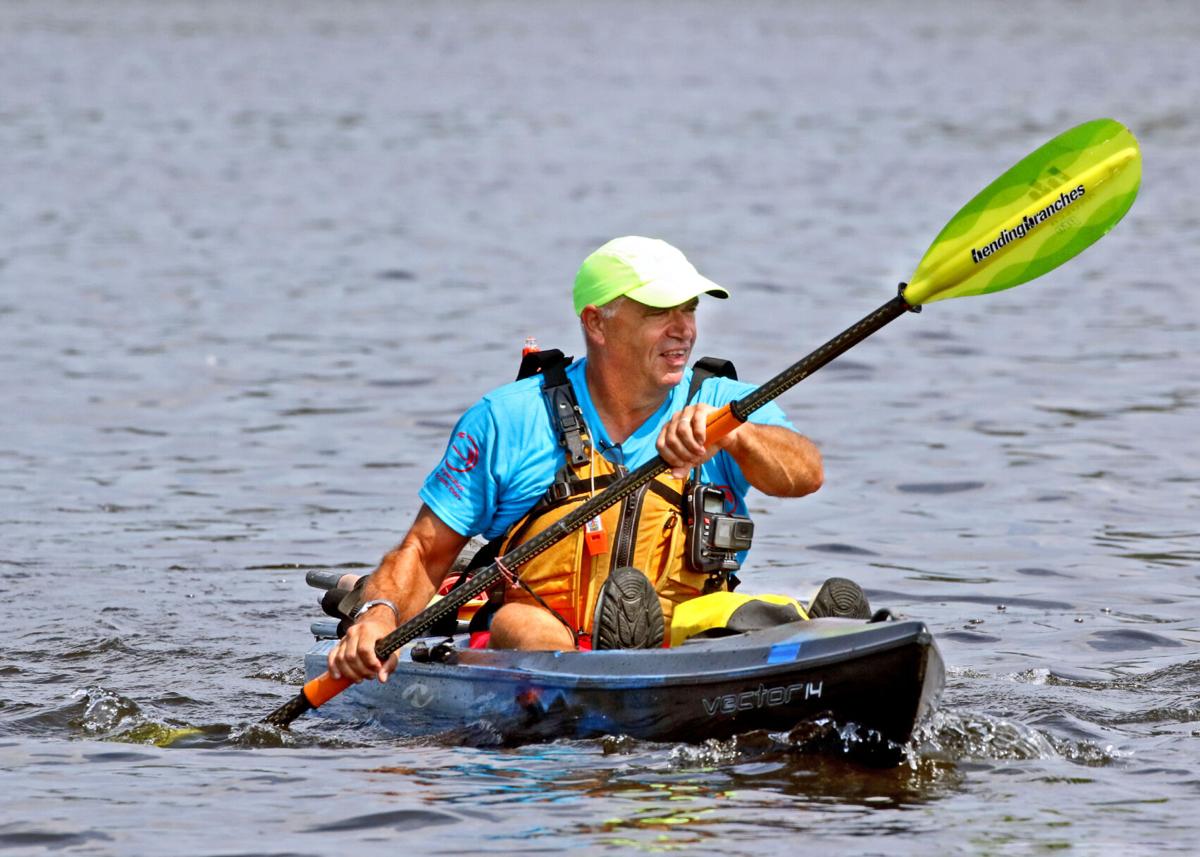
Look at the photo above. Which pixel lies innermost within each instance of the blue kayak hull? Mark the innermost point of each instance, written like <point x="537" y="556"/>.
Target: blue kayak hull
<point x="883" y="677"/>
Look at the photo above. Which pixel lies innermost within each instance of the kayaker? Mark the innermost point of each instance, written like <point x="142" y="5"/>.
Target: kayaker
<point x="512" y="467"/>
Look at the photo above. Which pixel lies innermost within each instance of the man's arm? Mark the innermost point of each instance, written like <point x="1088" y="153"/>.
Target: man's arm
<point x="774" y="459"/>
<point x="408" y="577"/>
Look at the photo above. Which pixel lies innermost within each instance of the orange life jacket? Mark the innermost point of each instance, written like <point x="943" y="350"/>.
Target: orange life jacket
<point x="646" y="530"/>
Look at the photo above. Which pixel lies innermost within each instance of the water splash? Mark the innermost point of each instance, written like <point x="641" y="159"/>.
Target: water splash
<point x="109" y="716"/>
<point x="822" y="737"/>
<point x="959" y="736"/>
<point x="104" y="711"/>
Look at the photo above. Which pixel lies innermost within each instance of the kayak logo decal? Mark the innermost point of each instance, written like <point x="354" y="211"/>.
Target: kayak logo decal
<point x="763" y="697"/>
<point x="467" y="459"/>
<point x="1027" y="224"/>
<point x="417" y="695"/>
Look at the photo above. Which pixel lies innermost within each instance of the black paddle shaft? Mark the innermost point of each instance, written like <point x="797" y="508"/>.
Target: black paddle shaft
<point x="632" y="481"/>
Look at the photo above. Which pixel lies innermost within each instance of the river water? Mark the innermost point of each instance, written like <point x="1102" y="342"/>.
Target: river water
<point x="257" y="257"/>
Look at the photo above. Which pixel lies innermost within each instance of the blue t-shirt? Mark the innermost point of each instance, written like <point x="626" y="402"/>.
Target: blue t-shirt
<point x="504" y="452"/>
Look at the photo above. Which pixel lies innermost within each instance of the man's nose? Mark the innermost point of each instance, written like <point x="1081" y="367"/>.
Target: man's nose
<point x="681" y="324"/>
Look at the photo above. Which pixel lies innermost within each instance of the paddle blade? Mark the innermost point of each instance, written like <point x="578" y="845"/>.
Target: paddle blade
<point x="1047" y="209"/>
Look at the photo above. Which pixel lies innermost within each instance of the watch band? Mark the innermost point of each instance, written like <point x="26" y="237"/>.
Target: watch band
<point x="375" y="602"/>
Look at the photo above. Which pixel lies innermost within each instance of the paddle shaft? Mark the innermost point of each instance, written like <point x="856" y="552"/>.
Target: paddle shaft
<point x="323" y="688"/>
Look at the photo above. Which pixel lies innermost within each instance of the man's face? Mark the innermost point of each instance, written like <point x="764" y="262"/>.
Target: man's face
<point x="652" y="345"/>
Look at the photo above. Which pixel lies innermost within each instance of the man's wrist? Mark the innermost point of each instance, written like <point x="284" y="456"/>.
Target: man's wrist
<point x="377" y="602"/>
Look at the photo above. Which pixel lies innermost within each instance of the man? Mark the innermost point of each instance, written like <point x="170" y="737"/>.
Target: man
<point x="636" y="300"/>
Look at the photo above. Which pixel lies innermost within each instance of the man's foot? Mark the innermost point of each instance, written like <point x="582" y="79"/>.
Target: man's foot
<point x="628" y="613"/>
<point x="842" y="598"/>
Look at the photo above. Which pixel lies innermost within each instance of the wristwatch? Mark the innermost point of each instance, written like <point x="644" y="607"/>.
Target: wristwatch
<point x="375" y="602"/>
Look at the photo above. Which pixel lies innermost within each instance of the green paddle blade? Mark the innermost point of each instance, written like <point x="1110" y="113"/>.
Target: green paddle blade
<point x="1046" y="209"/>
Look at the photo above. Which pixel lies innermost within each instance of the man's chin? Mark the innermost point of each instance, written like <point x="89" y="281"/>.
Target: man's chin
<point x="672" y="378"/>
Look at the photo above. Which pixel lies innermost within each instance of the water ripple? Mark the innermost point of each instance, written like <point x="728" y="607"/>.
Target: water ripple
<point x="240" y="284"/>
<point x="400" y="820"/>
<point x="939" y="487"/>
<point x="1129" y="640"/>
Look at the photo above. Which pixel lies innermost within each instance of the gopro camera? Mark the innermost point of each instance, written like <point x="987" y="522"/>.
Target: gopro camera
<point x="714" y="537"/>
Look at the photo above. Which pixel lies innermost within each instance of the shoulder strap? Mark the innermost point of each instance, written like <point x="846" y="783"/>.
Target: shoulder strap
<point x="564" y="410"/>
<point x="702" y="370"/>
<point x="710" y="367"/>
<point x="536" y="362"/>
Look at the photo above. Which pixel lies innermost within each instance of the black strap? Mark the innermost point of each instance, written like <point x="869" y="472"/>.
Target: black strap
<point x="702" y="370"/>
<point x="564" y="411"/>
<point x="710" y="367"/>
<point x="535" y="362"/>
<point x="673" y="497"/>
<point x="566" y="487"/>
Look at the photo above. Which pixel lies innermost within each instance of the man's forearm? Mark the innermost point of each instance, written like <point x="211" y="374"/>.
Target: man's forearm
<point x="410" y="574"/>
<point x="776" y="460"/>
<point x="408" y="577"/>
<point x="402" y="580"/>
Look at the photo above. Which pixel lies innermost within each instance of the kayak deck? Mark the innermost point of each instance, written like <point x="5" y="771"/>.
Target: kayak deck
<point x="885" y="677"/>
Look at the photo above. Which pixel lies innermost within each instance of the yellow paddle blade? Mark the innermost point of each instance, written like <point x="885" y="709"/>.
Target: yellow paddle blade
<point x="1046" y="209"/>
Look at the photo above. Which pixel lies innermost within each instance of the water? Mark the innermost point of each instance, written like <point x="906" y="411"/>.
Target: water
<point x="258" y="257"/>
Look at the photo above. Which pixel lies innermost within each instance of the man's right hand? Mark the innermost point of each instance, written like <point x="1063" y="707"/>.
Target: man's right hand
<point x="354" y="655"/>
<point x="408" y="576"/>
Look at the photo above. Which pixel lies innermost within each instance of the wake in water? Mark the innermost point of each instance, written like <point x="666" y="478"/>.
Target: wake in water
<point x="947" y="738"/>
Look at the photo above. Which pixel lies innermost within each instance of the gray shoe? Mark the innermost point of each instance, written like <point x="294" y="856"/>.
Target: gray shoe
<point x="628" y="613"/>
<point x="842" y="598"/>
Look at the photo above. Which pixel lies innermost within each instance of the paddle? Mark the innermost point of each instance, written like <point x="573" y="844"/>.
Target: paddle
<point x="1044" y="210"/>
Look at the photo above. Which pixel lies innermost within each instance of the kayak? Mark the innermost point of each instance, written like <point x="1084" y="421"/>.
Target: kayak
<point x="880" y="678"/>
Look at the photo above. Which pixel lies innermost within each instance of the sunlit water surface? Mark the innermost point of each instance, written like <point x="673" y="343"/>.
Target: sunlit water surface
<point x="257" y="258"/>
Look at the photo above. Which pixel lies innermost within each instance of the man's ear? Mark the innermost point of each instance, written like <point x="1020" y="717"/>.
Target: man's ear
<point x="592" y="322"/>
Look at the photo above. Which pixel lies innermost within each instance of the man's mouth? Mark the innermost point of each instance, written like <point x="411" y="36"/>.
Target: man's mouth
<point x="676" y="357"/>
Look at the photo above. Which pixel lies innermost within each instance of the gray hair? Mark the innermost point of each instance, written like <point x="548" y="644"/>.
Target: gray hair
<point x="607" y="311"/>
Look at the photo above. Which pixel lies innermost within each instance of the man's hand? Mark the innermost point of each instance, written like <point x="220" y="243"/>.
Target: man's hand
<point x="354" y="655"/>
<point x="774" y="459"/>
<point x="408" y="577"/>
<point x="681" y="443"/>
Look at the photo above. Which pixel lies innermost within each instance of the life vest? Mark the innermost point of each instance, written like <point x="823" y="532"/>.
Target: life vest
<point x="645" y="530"/>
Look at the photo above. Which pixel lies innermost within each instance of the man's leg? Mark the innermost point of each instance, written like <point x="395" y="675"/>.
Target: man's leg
<point x="529" y="627"/>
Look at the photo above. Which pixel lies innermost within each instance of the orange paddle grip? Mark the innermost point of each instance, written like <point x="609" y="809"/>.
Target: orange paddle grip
<point x="324" y="688"/>
<point x="720" y="423"/>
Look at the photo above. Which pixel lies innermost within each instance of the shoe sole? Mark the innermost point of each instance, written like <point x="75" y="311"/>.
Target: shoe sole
<point x="628" y="614"/>
<point x="841" y="598"/>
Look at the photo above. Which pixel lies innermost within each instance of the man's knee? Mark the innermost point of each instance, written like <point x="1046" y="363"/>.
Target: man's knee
<point x="524" y="626"/>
